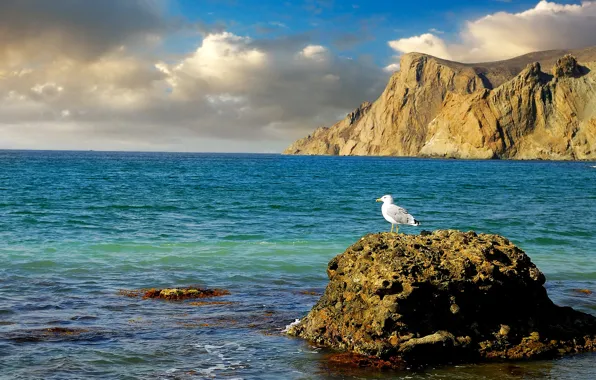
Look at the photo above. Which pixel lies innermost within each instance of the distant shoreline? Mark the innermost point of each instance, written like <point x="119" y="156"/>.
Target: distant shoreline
<point x="325" y="156"/>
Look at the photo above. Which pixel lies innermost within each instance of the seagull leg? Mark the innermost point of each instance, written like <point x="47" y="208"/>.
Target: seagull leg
<point x="391" y="230"/>
<point x="396" y="228"/>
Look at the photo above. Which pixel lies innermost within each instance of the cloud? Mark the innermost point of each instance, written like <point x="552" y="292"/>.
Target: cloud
<point x="393" y="67"/>
<point x="315" y="52"/>
<point x="270" y="27"/>
<point x="32" y="30"/>
<point x="234" y="87"/>
<point x="426" y="43"/>
<point x="278" y="24"/>
<point x="503" y="35"/>
<point x="96" y="83"/>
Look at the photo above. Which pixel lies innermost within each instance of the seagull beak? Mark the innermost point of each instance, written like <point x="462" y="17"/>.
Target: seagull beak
<point x="379" y="200"/>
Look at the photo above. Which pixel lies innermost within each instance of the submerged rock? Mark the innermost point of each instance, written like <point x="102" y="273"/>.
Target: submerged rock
<point x="442" y="297"/>
<point x="586" y="292"/>
<point x="175" y="294"/>
<point x="52" y="334"/>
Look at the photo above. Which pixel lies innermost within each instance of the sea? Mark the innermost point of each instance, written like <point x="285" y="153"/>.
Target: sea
<point x="79" y="228"/>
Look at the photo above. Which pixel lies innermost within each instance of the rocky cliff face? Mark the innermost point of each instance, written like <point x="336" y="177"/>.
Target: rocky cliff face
<point x="442" y="297"/>
<point x="437" y="108"/>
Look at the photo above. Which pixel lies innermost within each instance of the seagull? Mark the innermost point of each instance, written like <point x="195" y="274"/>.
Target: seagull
<point x="396" y="215"/>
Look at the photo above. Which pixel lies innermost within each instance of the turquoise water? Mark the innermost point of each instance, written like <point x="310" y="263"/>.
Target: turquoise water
<point x="76" y="227"/>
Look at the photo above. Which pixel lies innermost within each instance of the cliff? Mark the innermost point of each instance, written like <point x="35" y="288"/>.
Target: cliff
<point x="442" y="297"/>
<point x="510" y="109"/>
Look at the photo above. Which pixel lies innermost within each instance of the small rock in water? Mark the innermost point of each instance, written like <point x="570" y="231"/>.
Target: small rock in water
<point x="583" y="291"/>
<point x="47" y="334"/>
<point x="175" y="294"/>
<point x="350" y="359"/>
<point x="309" y="293"/>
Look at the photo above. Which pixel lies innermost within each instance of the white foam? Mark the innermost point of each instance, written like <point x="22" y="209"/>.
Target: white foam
<point x="210" y="370"/>
<point x="314" y="351"/>
<point x="211" y="348"/>
<point x="265" y="243"/>
<point x="223" y="358"/>
<point x="288" y="327"/>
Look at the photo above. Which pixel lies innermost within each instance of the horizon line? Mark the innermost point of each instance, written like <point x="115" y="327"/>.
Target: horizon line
<point x="130" y="151"/>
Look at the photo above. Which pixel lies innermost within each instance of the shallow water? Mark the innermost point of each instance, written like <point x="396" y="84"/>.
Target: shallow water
<point x="76" y="227"/>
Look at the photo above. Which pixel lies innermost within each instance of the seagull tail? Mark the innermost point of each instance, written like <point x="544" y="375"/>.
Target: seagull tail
<point x="412" y="221"/>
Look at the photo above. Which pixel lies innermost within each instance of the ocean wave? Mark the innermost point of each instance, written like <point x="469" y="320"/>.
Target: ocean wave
<point x="134" y="207"/>
<point x="288" y="327"/>
<point x="226" y="354"/>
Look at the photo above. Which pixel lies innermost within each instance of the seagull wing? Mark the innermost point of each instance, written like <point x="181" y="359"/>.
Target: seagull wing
<point x="400" y="215"/>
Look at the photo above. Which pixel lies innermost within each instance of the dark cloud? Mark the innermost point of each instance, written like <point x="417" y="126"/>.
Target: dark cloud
<point x="79" y="29"/>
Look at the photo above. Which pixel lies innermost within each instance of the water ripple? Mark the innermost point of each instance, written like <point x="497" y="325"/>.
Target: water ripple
<point x="76" y="227"/>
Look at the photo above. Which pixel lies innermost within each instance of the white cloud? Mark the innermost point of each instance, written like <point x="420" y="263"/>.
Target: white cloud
<point x="393" y="67"/>
<point x="221" y="62"/>
<point x="331" y="78"/>
<point x="278" y="24"/>
<point x="314" y="52"/>
<point x="549" y="25"/>
<point x="47" y="89"/>
<point x="225" y="98"/>
<point x="426" y="43"/>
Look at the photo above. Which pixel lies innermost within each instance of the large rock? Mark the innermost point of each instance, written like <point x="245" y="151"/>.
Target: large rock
<point x="567" y="67"/>
<point x="442" y="297"/>
<point x="509" y="109"/>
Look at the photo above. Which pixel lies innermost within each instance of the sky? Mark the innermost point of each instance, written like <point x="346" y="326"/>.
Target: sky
<point x="233" y="75"/>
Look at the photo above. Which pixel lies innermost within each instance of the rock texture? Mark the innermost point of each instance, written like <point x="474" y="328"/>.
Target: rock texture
<point x="174" y="294"/>
<point x="509" y="109"/>
<point x="442" y="297"/>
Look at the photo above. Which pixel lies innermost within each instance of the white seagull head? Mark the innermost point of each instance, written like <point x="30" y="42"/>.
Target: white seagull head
<point x="386" y="199"/>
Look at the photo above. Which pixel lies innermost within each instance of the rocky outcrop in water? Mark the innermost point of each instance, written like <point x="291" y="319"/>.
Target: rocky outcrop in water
<point x="442" y="297"/>
<point x="175" y="294"/>
<point x="509" y="109"/>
